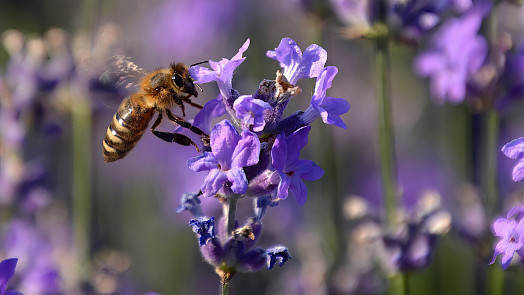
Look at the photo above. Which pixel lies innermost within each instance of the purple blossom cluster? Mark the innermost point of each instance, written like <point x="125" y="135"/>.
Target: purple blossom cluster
<point x="255" y="153"/>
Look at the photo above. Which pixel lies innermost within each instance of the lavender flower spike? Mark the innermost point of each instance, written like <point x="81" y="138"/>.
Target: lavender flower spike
<point x="222" y="72"/>
<point x="295" y="64"/>
<point x="292" y="170"/>
<point x="230" y="152"/>
<point x="329" y="108"/>
<point x="7" y="270"/>
<point x="251" y="112"/>
<point x="515" y="150"/>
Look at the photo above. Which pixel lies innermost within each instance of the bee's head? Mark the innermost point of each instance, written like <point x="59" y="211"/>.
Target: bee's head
<point x="182" y="80"/>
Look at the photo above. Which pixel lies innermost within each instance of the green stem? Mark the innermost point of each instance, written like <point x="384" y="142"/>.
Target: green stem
<point x="225" y="287"/>
<point x="229" y="208"/>
<point x="81" y="129"/>
<point x="490" y="133"/>
<point x="385" y="127"/>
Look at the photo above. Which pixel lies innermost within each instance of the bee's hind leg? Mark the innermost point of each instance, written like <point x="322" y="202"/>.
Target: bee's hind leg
<point x="171" y="136"/>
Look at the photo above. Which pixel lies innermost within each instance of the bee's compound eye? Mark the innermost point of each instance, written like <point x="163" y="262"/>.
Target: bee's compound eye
<point x="177" y="79"/>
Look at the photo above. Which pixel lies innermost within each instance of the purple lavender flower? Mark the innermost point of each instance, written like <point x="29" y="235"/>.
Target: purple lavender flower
<point x="458" y="51"/>
<point x="329" y="108"/>
<point x="7" y="270"/>
<point x="204" y="228"/>
<point x="515" y="150"/>
<point x="295" y="64"/>
<point x="222" y="72"/>
<point x="292" y="170"/>
<point x="278" y="254"/>
<point x="251" y="112"/>
<point x="511" y="233"/>
<point x="419" y="16"/>
<point x="230" y="152"/>
<point x="512" y="77"/>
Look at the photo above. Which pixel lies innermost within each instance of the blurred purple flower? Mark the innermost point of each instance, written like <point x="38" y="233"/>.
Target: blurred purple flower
<point x="251" y="112"/>
<point x="190" y="202"/>
<point x="222" y="72"/>
<point x="357" y="14"/>
<point x="417" y="17"/>
<point x="295" y="64"/>
<point x="7" y="270"/>
<point x="512" y="77"/>
<point x="329" y="108"/>
<point x="511" y="233"/>
<point x="515" y="150"/>
<point x="292" y="170"/>
<point x="230" y="152"/>
<point x="457" y="52"/>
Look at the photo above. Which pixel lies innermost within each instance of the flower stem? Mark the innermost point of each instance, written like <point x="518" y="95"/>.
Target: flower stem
<point x="385" y="127"/>
<point x="490" y="127"/>
<point x="81" y="126"/>
<point x="229" y="208"/>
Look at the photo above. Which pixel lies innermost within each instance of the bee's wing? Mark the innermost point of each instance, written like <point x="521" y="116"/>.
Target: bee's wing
<point x="122" y="72"/>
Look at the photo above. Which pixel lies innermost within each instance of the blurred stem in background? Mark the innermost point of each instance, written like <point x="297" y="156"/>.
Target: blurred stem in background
<point x="81" y="128"/>
<point x="386" y="136"/>
<point x="490" y="150"/>
<point x="81" y="135"/>
<point x="331" y="223"/>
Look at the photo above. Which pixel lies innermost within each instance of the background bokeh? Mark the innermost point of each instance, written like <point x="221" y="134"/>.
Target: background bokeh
<point x="112" y="228"/>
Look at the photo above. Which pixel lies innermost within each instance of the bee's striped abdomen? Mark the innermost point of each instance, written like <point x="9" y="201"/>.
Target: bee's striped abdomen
<point x="126" y="128"/>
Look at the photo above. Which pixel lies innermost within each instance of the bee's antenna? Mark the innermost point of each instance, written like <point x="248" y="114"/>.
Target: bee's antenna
<point x="199" y="63"/>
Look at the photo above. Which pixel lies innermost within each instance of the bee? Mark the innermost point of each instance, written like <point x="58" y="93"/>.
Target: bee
<point x="158" y="91"/>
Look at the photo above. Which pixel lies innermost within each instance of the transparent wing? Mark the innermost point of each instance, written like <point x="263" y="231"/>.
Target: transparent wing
<point x="122" y="72"/>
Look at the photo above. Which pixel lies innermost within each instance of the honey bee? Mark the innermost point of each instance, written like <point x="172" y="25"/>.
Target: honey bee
<point x="158" y="91"/>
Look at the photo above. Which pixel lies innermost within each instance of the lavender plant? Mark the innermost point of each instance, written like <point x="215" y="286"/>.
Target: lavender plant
<point x="255" y="154"/>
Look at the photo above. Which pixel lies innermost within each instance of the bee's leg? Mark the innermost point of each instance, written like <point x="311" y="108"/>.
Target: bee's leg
<point x="175" y="137"/>
<point x="171" y="137"/>
<point x="185" y="124"/>
<point x="196" y="105"/>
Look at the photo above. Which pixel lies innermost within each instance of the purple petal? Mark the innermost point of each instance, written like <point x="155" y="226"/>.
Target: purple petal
<point x="279" y="153"/>
<point x="224" y="139"/>
<point x="204" y="162"/>
<point x="202" y="75"/>
<point x="7" y="270"/>
<point x="296" y="65"/>
<point x="502" y="226"/>
<point x="429" y="62"/>
<point x="298" y="190"/>
<point x="514" y="149"/>
<point x="213" y="182"/>
<point x="330" y="110"/>
<point x="247" y="151"/>
<point x="238" y="180"/>
<point x="283" y="186"/>
<point x="296" y="141"/>
<point x="309" y="170"/>
<point x="518" y="171"/>
<point x="324" y="80"/>
<point x="212" y="109"/>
